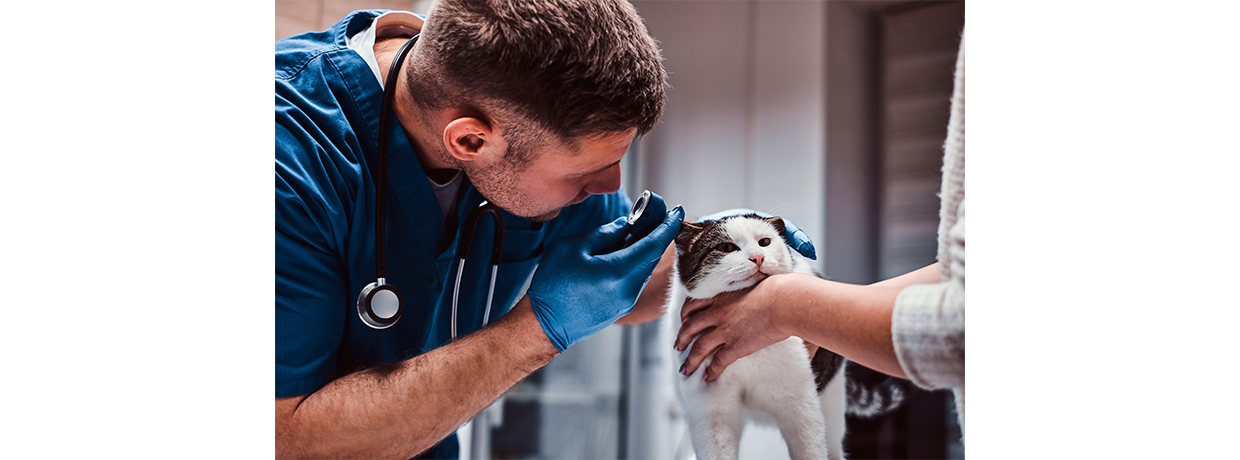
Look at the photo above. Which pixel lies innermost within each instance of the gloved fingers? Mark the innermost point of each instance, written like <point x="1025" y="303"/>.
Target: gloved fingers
<point x="650" y="247"/>
<point x="607" y="238"/>
<point x="799" y="240"/>
<point x="655" y="213"/>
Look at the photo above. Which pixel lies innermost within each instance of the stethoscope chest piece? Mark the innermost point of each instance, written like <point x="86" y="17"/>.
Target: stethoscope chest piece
<point x="379" y="305"/>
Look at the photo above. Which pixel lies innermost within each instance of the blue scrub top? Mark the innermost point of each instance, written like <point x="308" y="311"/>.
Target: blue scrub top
<point x="327" y="103"/>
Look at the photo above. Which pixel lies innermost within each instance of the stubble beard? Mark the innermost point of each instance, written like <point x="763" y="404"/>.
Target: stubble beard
<point x="499" y="185"/>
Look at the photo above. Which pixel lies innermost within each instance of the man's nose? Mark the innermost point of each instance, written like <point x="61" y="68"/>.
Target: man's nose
<point x="604" y="182"/>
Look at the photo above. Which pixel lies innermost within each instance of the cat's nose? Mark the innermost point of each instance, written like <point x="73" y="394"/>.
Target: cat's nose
<point x="757" y="260"/>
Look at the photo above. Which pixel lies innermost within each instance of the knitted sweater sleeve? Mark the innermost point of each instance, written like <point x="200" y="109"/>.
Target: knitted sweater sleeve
<point x="927" y="324"/>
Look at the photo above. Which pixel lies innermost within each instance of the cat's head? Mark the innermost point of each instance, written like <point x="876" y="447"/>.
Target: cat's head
<point x="731" y="253"/>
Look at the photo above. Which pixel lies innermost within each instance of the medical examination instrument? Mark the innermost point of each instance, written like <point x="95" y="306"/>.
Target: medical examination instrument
<point x="379" y="304"/>
<point x="639" y="207"/>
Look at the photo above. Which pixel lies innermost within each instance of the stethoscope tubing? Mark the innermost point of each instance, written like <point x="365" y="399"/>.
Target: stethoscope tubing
<point x="462" y="249"/>
<point x="392" y="305"/>
<point x="389" y="94"/>
<point x="456" y="293"/>
<point x="365" y="308"/>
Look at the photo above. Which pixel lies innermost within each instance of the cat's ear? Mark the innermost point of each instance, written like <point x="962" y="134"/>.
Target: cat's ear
<point x="778" y="223"/>
<point x="688" y="232"/>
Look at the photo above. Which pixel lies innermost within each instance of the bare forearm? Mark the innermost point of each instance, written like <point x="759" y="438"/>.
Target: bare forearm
<point x="653" y="300"/>
<point x="852" y="320"/>
<point x="925" y="275"/>
<point x="399" y="410"/>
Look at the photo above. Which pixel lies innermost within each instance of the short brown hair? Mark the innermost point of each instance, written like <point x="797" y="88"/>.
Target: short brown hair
<point x="577" y="68"/>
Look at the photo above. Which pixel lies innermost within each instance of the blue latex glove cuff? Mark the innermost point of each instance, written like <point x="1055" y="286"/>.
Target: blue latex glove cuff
<point x="793" y="235"/>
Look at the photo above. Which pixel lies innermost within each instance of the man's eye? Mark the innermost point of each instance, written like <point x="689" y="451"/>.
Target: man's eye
<point x="764" y="242"/>
<point x="727" y="247"/>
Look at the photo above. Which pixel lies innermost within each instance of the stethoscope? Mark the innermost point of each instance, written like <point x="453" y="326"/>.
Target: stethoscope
<point x="380" y="304"/>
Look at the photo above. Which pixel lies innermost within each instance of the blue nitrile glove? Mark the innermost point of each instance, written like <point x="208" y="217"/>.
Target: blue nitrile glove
<point x="796" y="237"/>
<point x="588" y="281"/>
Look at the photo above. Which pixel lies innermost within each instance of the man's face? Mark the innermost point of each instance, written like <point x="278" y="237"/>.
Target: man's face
<point x="559" y="175"/>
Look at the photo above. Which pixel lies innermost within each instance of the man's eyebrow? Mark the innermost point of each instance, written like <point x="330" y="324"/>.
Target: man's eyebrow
<point x="603" y="168"/>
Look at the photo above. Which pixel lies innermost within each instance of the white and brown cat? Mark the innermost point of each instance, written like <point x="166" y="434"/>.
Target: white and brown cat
<point x="806" y="398"/>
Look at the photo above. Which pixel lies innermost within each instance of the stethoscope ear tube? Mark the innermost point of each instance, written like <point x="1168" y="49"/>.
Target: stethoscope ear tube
<point x="497" y="248"/>
<point x="471" y="223"/>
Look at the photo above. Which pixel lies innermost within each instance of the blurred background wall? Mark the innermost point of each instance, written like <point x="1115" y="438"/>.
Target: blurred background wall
<point x="829" y="113"/>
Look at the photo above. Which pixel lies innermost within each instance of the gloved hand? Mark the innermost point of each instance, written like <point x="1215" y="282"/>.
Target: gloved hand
<point x="588" y="281"/>
<point x="795" y="237"/>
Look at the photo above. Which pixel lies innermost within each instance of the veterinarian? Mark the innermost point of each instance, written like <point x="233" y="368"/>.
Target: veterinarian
<point x="910" y="326"/>
<point x="519" y="109"/>
<point x="501" y="102"/>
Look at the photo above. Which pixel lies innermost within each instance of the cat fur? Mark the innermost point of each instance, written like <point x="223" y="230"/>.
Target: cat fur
<point x="781" y="385"/>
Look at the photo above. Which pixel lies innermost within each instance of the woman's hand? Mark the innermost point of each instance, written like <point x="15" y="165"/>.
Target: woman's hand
<point x="849" y="319"/>
<point x="733" y="325"/>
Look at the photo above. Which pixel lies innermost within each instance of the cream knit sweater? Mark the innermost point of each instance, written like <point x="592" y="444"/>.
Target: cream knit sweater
<point x="927" y="325"/>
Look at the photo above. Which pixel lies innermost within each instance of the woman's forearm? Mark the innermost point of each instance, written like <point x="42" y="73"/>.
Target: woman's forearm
<point x="848" y="319"/>
<point x="650" y="304"/>
<point x="925" y="275"/>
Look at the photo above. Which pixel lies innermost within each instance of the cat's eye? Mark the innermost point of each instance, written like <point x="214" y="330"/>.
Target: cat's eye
<point x="764" y="242"/>
<point x="727" y="247"/>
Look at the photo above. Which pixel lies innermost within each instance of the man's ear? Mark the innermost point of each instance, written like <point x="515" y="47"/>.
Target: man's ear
<point x="471" y="139"/>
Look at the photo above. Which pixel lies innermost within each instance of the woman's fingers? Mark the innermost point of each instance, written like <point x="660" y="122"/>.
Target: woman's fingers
<point x="724" y="357"/>
<point x="694" y="323"/>
<point x="692" y="306"/>
<point x="703" y="347"/>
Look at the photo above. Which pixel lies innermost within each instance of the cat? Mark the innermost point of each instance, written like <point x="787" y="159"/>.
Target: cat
<point x="806" y="398"/>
